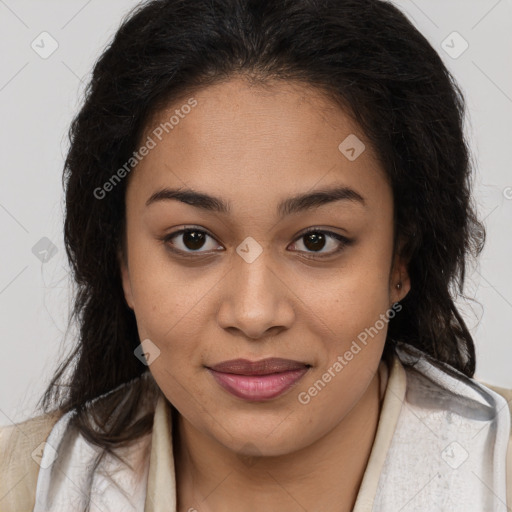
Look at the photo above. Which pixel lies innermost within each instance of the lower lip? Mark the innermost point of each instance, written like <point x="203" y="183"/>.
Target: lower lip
<point x="258" y="387"/>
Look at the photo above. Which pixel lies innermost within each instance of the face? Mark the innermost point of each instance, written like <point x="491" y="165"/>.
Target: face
<point x="246" y="281"/>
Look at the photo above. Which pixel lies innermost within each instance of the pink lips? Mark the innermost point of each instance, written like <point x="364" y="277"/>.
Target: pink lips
<point x="258" y="380"/>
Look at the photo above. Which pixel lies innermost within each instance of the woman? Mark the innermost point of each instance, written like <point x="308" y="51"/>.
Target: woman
<point x="269" y="217"/>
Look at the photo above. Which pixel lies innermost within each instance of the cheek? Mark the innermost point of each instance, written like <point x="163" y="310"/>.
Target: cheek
<point x="359" y="294"/>
<point x="358" y="319"/>
<point x="165" y="302"/>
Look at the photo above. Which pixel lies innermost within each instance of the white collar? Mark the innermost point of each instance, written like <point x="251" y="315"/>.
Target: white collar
<point x="418" y="399"/>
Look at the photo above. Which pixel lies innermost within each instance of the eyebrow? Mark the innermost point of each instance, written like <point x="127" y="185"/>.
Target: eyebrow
<point x="291" y="205"/>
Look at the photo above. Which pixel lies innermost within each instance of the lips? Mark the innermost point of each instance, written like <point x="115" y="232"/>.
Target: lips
<point x="258" y="380"/>
<point x="262" y="367"/>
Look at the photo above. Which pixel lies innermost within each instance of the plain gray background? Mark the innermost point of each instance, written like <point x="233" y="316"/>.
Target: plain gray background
<point x="40" y="93"/>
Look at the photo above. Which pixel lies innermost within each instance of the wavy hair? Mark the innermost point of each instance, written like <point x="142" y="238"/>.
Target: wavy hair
<point x="369" y="58"/>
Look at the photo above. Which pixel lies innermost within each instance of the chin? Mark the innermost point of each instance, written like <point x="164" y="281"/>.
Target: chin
<point x="258" y="440"/>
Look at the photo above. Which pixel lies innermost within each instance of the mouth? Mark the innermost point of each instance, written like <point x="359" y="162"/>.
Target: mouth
<point x="258" y="380"/>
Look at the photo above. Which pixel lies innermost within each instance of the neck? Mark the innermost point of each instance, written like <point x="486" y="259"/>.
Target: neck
<point x="325" y="475"/>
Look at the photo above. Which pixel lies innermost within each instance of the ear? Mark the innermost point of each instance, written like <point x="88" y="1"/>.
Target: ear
<point x="125" y="278"/>
<point x="399" y="276"/>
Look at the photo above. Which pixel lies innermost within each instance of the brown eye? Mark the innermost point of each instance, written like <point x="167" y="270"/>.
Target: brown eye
<point x="192" y="240"/>
<point x="314" y="240"/>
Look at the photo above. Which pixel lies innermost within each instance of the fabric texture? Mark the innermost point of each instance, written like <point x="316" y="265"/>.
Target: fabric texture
<point x="448" y="451"/>
<point x="462" y="425"/>
<point x="21" y="447"/>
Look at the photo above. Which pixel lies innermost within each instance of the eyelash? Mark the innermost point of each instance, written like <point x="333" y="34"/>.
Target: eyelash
<point x="344" y="242"/>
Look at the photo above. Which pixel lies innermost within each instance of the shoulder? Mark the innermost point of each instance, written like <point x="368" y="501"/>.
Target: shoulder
<point x="506" y="393"/>
<point x="444" y="380"/>
<point x="468" y="402"/>
<point x="21" y="447"/>
<point x="434" y="385"/>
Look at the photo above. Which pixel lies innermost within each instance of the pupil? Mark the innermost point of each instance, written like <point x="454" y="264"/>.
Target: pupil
<point x="317" y="239"/>
<point x="193" y="239"/>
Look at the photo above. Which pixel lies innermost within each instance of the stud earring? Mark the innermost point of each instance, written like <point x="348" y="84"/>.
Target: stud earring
<point x="399" y="285"/>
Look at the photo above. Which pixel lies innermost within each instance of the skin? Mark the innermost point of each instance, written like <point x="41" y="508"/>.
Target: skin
<point x="253" y="147"/>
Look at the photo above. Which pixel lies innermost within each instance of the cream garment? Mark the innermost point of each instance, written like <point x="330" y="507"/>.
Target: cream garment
<point x="152" y="487"/>
<point x="449" y="448"/>
<point x="376" y="492"/>
<point x="161" y="489"/>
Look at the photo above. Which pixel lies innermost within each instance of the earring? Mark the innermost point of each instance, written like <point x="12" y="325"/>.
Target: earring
<point x="399" y="285"/>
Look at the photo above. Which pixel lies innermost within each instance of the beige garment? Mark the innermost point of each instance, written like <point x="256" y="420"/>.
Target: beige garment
<point x="162" y="482"/>
<point x="18" y="474"/>
<point x="18" y="467"/>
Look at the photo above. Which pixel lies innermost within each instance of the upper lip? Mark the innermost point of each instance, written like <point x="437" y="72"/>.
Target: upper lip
<point x="261" y="367"/>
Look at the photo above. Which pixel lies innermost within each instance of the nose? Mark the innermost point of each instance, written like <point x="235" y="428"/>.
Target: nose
<point x="256" y="302"/>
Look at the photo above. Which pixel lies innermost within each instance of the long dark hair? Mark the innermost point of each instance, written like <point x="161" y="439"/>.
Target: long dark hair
<point x="371" y="60"/>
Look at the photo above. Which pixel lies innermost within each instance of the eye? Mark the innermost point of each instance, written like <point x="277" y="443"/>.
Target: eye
<point x="192" y="239"/>
<point x="317" y="239"/>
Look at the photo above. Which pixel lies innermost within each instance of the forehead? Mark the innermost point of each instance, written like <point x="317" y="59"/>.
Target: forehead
<point x="253" y="138"/>
<point x="272" y="116"/>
